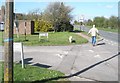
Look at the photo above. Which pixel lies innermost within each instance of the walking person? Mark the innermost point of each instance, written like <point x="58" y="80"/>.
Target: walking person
<point x="94" y="32"/>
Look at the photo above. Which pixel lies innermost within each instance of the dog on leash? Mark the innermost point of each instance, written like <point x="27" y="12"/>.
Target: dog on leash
<point x="71" y="39"/>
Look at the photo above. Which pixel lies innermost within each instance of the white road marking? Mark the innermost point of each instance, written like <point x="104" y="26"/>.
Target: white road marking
<point x="109" y="43"/>
<point x="112" y="44"/>
<point x="98" y="56"/>
<point x="91" y="51"/>
<point x="106" y="40"/>
<point x="60" y="55"/>
<point x="65" y="52"/>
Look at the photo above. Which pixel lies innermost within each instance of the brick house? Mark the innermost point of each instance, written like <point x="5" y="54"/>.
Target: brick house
<point x="0" y="16"/>
<point x="21" y="27"/>
<point x="29" y="27"/>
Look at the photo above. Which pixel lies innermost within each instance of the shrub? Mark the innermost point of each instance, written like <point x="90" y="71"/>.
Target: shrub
<point x="42" y="26"/>
<point x="63" y="26"/>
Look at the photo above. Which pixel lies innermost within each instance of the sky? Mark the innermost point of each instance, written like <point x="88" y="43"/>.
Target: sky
<point x="87" y="9"/>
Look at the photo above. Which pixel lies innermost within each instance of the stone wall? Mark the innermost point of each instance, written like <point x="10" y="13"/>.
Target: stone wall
<point x="29" y="27"/>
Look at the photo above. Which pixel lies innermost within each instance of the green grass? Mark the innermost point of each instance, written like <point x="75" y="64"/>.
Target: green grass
<point x="1" y="68"/>
<point x="105" y="29"/>
<point x="0" y="38"/>
<point x="57" y="38"/>
<point x="34" y="73"/>
<point x="83" y="32"/>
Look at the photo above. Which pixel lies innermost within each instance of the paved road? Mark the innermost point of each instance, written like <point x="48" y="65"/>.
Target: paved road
<point x="108" y="35"/>
<point x="79" y="62"/>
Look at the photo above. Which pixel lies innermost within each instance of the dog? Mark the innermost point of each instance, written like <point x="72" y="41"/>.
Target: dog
<point x="71" y="39"/>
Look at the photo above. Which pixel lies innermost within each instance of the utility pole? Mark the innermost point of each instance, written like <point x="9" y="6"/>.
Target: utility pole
<point x="8" y="42"/>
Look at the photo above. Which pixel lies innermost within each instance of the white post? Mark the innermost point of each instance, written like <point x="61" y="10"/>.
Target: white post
<point x="22" y="56"/>
<point x="18" y="47"/>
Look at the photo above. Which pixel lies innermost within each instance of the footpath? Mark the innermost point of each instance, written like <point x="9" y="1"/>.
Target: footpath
<point x="78" y="62"/>
<point x="88" y="63"/>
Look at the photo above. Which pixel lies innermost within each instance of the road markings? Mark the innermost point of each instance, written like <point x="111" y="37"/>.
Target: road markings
<point x="98" y="56"/>
<point x="65" y="52"/>
<point x="91" y="51"/>
<point x="110" y="42"/>
<point x="60" y="55"/>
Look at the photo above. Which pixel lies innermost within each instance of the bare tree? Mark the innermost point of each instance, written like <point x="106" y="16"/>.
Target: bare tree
<point x="35" y="14"/>
<point x="57" y="12"/>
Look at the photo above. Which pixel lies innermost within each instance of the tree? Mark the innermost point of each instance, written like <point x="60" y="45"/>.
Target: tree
<point x="19" y="16"/>
<point x="113" y="22"/>
<point x="59" y="15"/>
<point x="106" y="22"/>
<point x="99" y="21"/>
<point x="89" y="22"/>
<point x="76" y="22"/>
<point x="35" y="14"/>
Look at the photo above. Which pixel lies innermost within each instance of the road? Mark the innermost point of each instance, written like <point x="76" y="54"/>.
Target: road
<point x="108" y="35"/>
<point x="78" y="62"/>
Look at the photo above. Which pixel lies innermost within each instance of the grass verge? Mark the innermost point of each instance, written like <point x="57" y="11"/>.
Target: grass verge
<point x="105" y="29"/>
<point x="34" y="73"/>
<point x="57" y="38"/>
<point x="0" y="38"/>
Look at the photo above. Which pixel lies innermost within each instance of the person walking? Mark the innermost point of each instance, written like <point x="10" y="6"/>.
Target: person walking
<point x="94" y="32"/>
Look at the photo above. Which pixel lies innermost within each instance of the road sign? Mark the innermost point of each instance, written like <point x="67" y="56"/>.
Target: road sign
<point x="2" y="24"/>
<point x="18" y="47"/>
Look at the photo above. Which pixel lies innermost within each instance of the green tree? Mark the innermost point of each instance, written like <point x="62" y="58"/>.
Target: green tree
<point x="106" y="23"/>
<point x="59" y="15"/>
<point x="76" y="22"/>
<point x="99" y="21"/>
<point x="89" y="22"/>
<point x="113" y="22"/>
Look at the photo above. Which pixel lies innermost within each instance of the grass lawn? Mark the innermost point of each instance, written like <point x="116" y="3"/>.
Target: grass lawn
<point x="34" y="73"/>
<point x="105" y="29"/>
<point x="0" y="38"/>
<point x="57" y="38"/>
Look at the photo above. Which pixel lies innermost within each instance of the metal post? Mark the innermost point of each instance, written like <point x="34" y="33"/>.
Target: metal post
<point x="8" y="42"/>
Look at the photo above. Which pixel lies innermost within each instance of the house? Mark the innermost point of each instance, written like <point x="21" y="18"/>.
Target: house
<point x="25" y="26"/>
<point x="0" y="17"/>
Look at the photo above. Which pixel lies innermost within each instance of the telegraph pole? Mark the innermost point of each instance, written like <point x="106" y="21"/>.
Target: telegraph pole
<point x="8" y="42"/>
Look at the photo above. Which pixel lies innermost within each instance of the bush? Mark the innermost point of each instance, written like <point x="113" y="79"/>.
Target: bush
<point x="61" y="26"/>
<point x="42" y="26"/>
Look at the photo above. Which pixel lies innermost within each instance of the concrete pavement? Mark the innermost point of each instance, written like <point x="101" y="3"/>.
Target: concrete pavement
<point x="80" y="62"/>
<point x="76" y="59"/>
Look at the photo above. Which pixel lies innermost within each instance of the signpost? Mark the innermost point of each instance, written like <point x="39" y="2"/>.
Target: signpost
<point x="43" y="34"/>
<point x="2" y="24"/>
<point x="18" y="47"/>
